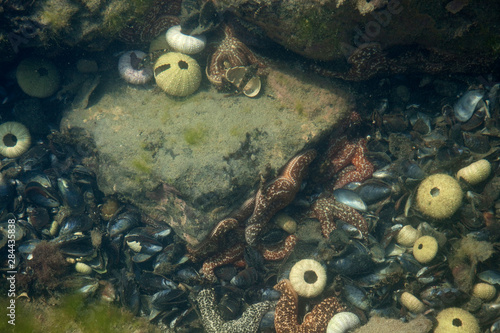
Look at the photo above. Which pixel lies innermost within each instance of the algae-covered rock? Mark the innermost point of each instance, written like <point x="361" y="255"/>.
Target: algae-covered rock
<point x="190" y="161"/>
<point x="56" y="24"/>
<point x="382" y="325"/>
<point x="415" y="31"/>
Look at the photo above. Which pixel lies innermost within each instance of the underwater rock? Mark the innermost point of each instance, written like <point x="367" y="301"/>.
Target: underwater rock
<point x="335" y="30"/>
<point x="378" y="324"/>
<point x="179" y="158"/>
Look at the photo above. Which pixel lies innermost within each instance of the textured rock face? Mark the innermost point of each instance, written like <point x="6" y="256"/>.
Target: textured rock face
<point x="190" y="161"/>
<point x="331" y="30"/>
<point x="54" y="24"/>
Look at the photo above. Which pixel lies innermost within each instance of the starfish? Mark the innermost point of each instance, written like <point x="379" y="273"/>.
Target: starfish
<point x="160" y="16"/>
<point x="277" y="194"/>
<point x="212" y="321"/>
<point x="327" y="209"/>
<point x="281" y="251"/>
<point x="285" y="317"/>
<point x="214" y="241"/>
<point x="342" y="153"/>
<point x="231" y="52"/>
<point x="225" y="257"/>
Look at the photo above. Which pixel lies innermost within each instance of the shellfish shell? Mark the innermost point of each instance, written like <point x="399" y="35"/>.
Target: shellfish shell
<point x="235" y="75"/>
<point x="343" y="322"/>
<point x="425" y="249"/>
<point x="80" y="267"/>
<point x="484" y="291"/>
<point x="412" y="303"/>
<point x="464" y="108"/>
<point x="308" y="278"/>
<point x="185" y="43"/>
<point x="177" y="74"/>
<point x="407" y="236"/>
<point x="286" y="222"/>
<point x="475" y="172"/>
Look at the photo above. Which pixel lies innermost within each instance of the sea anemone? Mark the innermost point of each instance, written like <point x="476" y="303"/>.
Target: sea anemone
<point x="177" y="74"/>
<point x="453" y="320"/>
<point x="130" y="68"/>
<point x="308" y="278"/>
<point x="185" y="43"/>
<point x="15" y="139"/>
<point x="425" y="249"/>
<point x="37" y="77"/>
<point x="439" y="196"/>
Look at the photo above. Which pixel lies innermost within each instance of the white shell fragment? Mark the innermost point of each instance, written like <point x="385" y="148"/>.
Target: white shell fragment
<point x="475" y="172"/>
<point x="464" y="108"/>
<point x="236" y="74"/>
<point x="80" y="267"/>
<point x="412" y="303"/>
<point x="342" y="322"/>
<point x="185" y="43"/>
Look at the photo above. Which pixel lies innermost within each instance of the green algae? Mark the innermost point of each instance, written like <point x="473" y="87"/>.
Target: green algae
<point x="142" y="165"/>
<point x="73" y="313"/>
<point x="195" y="135"/>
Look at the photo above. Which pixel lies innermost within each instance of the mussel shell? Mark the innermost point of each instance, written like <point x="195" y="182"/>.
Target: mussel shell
<point x="82" y="175"/>
<point x="490" y="276"/>
<point x="71" y="195"/>
<point x="188" y="275"/>
<point x="7" y="189"/>
<point x="167" y="298"/>
<point x="465" y="106"/>
<point x="27" y="247"/>
<point x="38" y="217"/>
<point x="75" y="245"/>
<point x="36" y="158"/>
<point x="75" y="223"/>
<point x="477" y="143"/>
<point x="229" y="306"/>
<point x="151" y="283"/>
<point x="247" y="277"/>
<point x="412" y="170"/>
<point x="123" y="222"/>
<point x="41" y="195"/>
<point x="355" y="261"/>
<point x="374" y="191"/>
<point x="349" y="198"/>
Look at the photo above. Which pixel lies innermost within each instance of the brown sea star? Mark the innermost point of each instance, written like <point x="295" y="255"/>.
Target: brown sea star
<point x="285" y="318"/>
<point x="328" y="209"/>
<point x="160" y="16"/>
<point x="277" y="194"/>
<point x="346" y="152"/>
<point x="231" y="52"/>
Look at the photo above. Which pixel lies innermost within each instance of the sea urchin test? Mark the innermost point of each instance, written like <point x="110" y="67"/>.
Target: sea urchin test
<point x="439" y="196"/>
<point x="177" y="74"/>
<point x="185" y="43"/>
<point x="131" y="69"/>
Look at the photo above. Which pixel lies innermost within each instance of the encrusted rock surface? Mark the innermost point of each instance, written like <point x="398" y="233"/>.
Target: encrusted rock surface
<point x="331" y="30"/>
<point x="190" y="161"/>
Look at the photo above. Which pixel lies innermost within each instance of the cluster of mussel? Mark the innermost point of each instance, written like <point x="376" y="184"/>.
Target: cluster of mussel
<point x="416" y="260"/>
<point x="71" y="238"/>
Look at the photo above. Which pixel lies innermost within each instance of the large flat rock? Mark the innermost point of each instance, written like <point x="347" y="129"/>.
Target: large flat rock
<point x="190" y="161"/>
